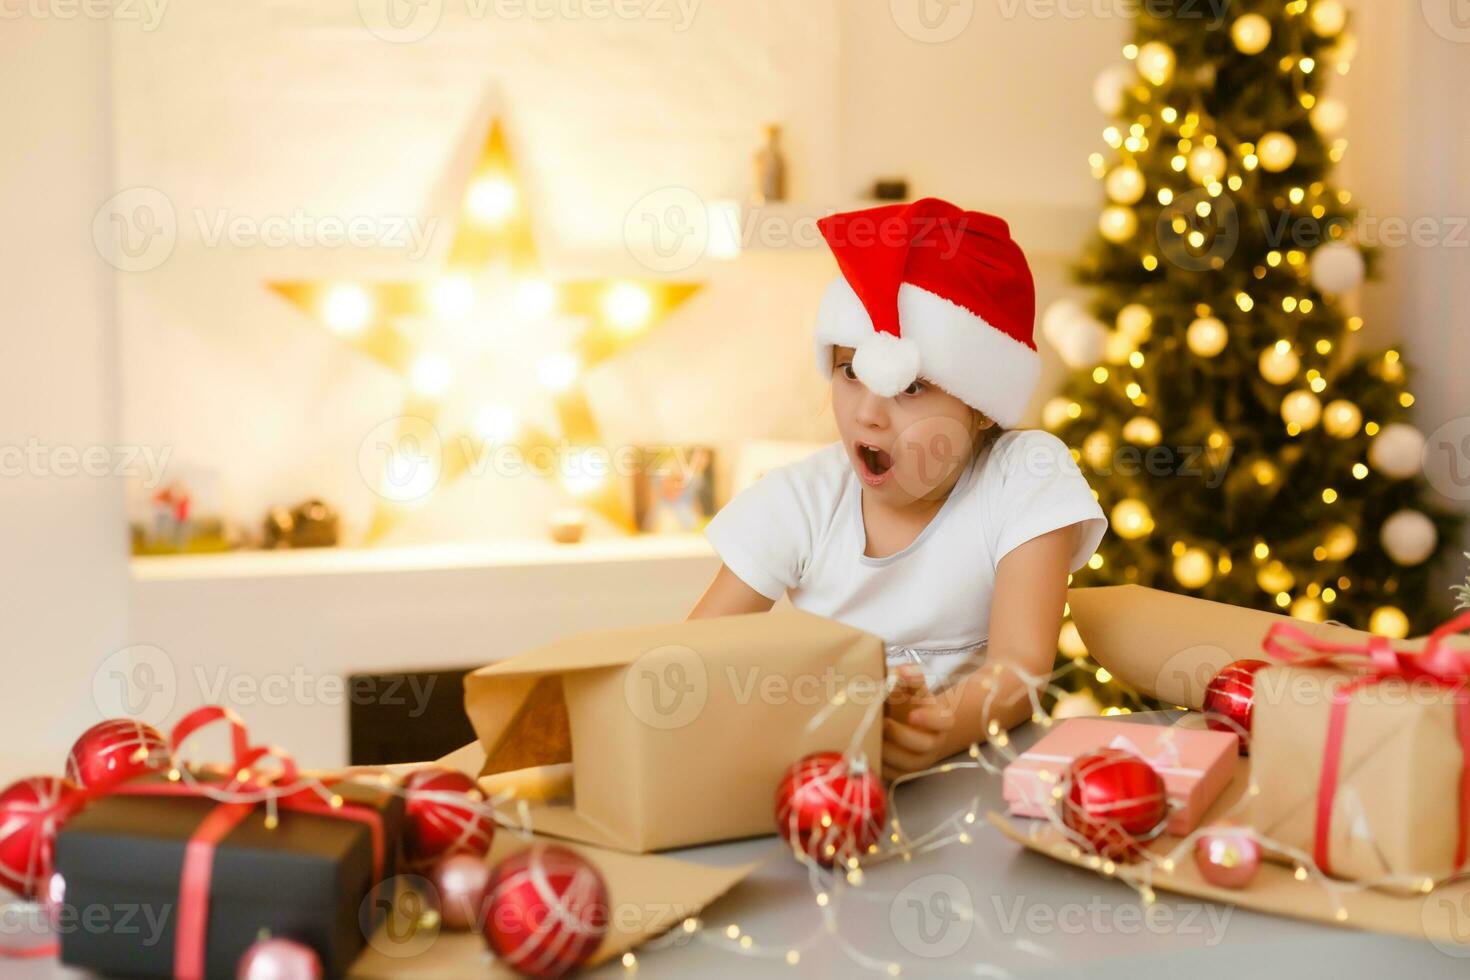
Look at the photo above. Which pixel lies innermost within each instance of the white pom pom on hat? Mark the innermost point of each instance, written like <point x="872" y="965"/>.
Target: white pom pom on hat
<point x="930" y="289"/>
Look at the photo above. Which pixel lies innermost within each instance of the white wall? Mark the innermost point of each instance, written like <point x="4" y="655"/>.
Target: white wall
<point x="1409" y="160"/>
<point x="63" y="575"/>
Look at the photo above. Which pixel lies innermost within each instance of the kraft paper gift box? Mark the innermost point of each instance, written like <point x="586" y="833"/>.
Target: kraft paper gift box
<point x="1196" y="766"/>
<point x="678" y="733"/>
<point x="1396" y="809"/>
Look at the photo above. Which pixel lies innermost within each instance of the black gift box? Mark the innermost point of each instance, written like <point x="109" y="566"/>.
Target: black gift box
<point x="306" y="879"/>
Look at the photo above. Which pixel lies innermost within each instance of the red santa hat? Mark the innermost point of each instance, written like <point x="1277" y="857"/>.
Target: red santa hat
<point x="930" y="289"/>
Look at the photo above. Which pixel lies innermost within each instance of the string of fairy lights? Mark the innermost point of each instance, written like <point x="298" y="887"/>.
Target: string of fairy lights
<point x="1208" y="166"/>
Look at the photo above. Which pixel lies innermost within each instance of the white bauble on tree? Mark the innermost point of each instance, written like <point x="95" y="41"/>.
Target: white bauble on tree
<point x="1397" y="451"/>
<point x="1075" y="335"/>
<point x="1337" y="267"/>
<point x="1110" y="87"/>
<point x="1409" y="537"/>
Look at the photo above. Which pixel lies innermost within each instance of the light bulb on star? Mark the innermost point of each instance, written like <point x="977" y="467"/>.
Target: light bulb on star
<point x="430" y="374"/>
<point x="346" y="309"/>
<point x="491" y="198"/>
<point x="627" y="306"/>
<point x="452" y="297"/>
<point x="558" y="372"/>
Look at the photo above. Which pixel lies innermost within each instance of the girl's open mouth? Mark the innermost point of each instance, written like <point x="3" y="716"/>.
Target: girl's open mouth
<point x="876" y="464"/>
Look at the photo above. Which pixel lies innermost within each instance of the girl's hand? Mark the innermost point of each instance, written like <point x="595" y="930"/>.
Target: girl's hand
<point x="916" y="726"/>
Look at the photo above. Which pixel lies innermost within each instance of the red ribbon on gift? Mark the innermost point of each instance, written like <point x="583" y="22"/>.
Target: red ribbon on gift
<point x="283" y="786"/>
<point x="1378" y="660"/>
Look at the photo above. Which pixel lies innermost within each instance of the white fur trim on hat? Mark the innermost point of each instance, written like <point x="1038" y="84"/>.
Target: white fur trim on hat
<point x="957" y="350"/>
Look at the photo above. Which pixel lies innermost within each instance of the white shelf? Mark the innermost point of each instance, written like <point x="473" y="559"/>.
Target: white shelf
<point x="433" y="557"/>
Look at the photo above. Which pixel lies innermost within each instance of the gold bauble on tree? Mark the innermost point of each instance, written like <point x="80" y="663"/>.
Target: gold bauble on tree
<point x="1251" y="33"/>
<point x="1328" y="18"/>
<point x="1117" y="223"/>
<point x="1342" y="419"/>
<point x="1206" y="164"/>
<point x="1329" y="117"/>
<point x="1056" y="413"/>
<point x="1277" y="151"/>
<point x="1389" y="621"/>
<point x="1206" y="336"/>
<point x="1131" y="519"/>
<point x="1097" y="449"/>
<point x="1135" y="322"/>
<point x="1193" y="568"/>
<point x="1125" y="184"/>
<point x="1301" y="408"/>
<point x="1118" y="347"/>
<point x="1156" y="62"/>
<point x="1340" y="542"/>
<point x="1142" y="431"/>
<point x="1279" y="363"/>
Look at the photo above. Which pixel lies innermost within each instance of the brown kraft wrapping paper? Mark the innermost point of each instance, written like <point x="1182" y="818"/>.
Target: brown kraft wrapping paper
<point x="678" y="733"/>
<point x="1396" y="810"/>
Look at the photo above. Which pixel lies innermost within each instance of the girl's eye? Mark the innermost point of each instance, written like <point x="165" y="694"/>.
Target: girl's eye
<point x="917" y="388"/>
<point x="847" y="371"/>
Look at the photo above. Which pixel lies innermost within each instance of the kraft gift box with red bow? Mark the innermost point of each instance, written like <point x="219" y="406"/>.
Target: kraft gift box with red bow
<point x="177" y="875"/>
<point x="1195" y="765"/>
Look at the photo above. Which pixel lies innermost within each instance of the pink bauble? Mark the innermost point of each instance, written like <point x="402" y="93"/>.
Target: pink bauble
<point x="443" y="814"/>
<point x="31" y="812"/>
<point x="279" y="959"/>
<point x="1228" y="858"/>
<point x="114" y="751"/>
<point x="460" y="881"/>
<point x="830" y="808"/>
<point x="547" y="911"/>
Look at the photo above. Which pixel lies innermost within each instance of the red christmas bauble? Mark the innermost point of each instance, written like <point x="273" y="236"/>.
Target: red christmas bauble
<point x="1228" y="858"/>
<point x="279" y="959"/>
<point x="443" y="814"/>
<point x="546" y="911"/>
<point x="114" y="751"/>
<point x="1113" y="799"/>
<point x="31" y="812"/>
<point x="831" y="808"/>
<point x="1230" y="697"/>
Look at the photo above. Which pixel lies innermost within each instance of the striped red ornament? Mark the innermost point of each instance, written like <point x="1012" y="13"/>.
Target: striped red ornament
<point x="546" y="911"/>
<point x="1115" y="801"/>
<point x="1230" y="698"/>
<point x="831" y="808"/>
<point x="444" y="814"/>
<point x="31" y="812"/>
<point x="114" y="751"/>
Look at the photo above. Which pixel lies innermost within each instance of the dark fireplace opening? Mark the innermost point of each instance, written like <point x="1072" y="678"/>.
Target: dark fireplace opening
<point x="416" y="716"/>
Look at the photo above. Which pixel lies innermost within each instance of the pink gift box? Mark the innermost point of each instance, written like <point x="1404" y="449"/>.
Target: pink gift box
<point x="1196" y="765"/>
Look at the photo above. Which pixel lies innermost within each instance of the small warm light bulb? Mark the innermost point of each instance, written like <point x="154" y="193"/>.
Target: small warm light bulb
<point x="491" y="199"/>
<point x="496" y="423"/>
<point x="452" y="297"/>
<point x="347" y="309"/>
<point x="535" y="298"/>
<point x="558" y="372"/>
<point x="430" y="375"/>
<point x="627" y="306"/>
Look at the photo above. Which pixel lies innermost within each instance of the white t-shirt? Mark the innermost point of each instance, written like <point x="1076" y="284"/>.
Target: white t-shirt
<point x="799" y="530"/>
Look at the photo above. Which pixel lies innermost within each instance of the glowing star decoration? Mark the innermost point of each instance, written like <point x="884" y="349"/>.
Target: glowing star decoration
<point x="491" y="348"/>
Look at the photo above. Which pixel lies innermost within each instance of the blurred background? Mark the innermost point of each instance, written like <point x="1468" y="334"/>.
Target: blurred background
<point x="350" y="339"/>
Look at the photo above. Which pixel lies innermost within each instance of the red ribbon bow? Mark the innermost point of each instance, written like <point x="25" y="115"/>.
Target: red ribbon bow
<point x="1376" y="661"/>
<point x="284" y="787"/>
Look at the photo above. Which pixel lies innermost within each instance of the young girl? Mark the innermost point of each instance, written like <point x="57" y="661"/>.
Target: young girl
<point x="929" y="524"/>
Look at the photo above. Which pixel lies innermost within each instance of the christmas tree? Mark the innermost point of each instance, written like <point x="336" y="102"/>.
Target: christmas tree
<point x="1245" y="447"/>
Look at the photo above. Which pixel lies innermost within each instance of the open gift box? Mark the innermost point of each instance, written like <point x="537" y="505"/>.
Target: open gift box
<point x="677" y="734"/>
